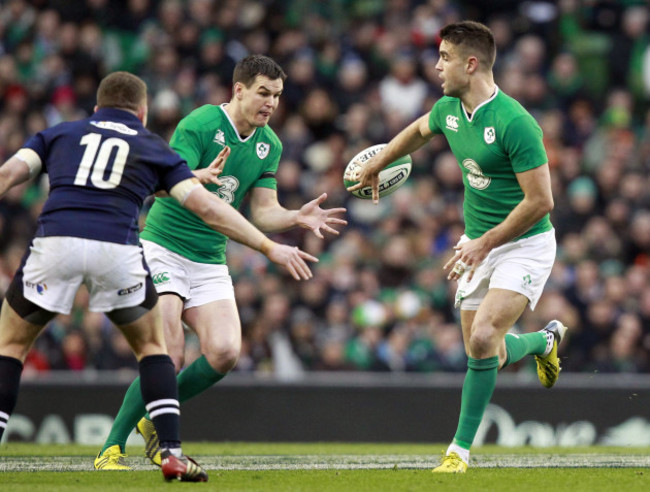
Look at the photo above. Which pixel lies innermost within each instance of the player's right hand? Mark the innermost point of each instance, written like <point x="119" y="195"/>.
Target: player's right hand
<point x="293" y="259"/>
<point x="367" y="175"/>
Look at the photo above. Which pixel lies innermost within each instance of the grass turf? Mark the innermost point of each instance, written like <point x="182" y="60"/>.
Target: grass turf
<point x="496" y="473"/>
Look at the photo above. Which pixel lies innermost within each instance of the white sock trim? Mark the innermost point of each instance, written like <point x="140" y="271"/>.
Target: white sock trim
<point x="154" y="413"/>
<point x="462" y="452"/>
<point x="171" y="402"/>
<point x="550" y="338"/>
<point x="178" y="452"/>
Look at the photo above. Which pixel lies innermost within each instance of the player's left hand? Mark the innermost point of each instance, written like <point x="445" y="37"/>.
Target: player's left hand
<point x="467" y="258"/>
<point x="211" y="173"/>
<point x="312" y="217"/>
<point x="293" y="259"/>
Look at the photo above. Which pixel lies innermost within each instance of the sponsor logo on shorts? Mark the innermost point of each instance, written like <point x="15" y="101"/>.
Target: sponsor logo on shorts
<point x="129" y="290"/>
<point x="39" y="288"/>
<point x="160" y="278"/>
<point x="460" y="295"/>
<point x="527" y="280"/>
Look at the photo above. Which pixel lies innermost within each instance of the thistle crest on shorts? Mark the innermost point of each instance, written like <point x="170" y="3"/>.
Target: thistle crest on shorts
<point x="262" y="150"/>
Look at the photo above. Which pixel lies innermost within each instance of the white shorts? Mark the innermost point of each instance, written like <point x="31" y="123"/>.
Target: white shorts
<point x="521" y="266"/>
<point x="57" y="266"/>
<point x="195" y="283"/>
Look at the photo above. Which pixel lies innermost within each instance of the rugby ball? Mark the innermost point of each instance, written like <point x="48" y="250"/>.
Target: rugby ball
<point x="390" y="178"/>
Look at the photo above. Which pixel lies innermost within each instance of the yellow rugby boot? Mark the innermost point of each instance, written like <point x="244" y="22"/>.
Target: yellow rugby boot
<point x="451" y="463"/>
<point x="548" y="365"/>
<point x="112" y="459"/>
<point x="151" y="445"/>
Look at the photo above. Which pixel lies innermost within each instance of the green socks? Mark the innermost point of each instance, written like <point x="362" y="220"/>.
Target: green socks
<point x="194" y="379"/>
<point x="480" y="380"/>
<point x="519" y="346"/>
<point x="130" y="413"/>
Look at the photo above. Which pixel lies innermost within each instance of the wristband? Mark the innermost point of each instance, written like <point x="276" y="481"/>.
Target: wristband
<point x="266" y="246"/>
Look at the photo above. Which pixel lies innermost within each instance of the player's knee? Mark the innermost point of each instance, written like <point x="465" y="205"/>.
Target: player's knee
<point x="178" y="358"/>
<point x="481" y="343"/>
<point x="15" y="350"/>
<point x="222" y="358"/>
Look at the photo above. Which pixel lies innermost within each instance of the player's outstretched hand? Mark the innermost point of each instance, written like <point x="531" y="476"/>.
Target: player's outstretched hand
<point x="293" y="259"/>
<point x="312" y="217"/>
<point x="211" y="173"/>
<point x="366" y="175"/>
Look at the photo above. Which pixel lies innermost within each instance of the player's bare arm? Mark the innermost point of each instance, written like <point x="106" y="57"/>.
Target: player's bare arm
<point x="405" y="142"/>
<point x="211" y="173"/>
<point x="223" y="218"/>
<point x="18" y="169"/>
<point x="270" y="216"/>
<point x="537" y="202"/>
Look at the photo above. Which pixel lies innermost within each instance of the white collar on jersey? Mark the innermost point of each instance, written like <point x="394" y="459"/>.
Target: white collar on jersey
<point x="232" y="123"/>
<point x="468" y="116"/>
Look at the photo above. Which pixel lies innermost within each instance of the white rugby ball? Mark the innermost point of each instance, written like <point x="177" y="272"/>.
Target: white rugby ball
<point x="390" y="178"/>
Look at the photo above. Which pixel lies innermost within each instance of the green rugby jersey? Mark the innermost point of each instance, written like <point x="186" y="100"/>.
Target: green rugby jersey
<point x="500" y="139"/>
<point x="199" y="138"/>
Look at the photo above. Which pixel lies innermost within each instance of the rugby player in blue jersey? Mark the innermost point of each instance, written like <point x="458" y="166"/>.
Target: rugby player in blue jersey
<point x="100" y="170"/>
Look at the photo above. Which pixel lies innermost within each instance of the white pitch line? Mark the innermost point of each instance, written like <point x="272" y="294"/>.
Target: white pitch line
<point x="337" y="462"/>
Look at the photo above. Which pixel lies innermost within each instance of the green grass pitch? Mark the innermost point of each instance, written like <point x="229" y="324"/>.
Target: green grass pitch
<point x="333" y="467"/>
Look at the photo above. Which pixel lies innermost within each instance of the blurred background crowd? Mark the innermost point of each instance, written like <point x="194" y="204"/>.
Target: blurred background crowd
<point x="358" y="72"/>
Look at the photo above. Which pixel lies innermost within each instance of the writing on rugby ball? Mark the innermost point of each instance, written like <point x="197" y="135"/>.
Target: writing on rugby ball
<point x="390" y="178"/>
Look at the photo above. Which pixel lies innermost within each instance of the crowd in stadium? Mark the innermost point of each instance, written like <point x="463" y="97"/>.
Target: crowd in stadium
<point x="358" y="72"/>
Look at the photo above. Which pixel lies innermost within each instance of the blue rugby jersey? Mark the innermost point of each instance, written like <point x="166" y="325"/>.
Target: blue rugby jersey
<point x="101" y="169"/>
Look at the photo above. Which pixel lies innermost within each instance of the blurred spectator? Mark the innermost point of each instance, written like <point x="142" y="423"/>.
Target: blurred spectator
<point x="63" y="107"/>
<point x="580" y="206"/>
<point x="380" y="300"/>
<point x="403" y="91"/>
<point x="565" y="80"/>
<point x="628" y="49"/>
<point x="165" y="113"/>
<point x="74" y="353"/>
<point x="213" y="57"/>
<point x="352" y="79"/>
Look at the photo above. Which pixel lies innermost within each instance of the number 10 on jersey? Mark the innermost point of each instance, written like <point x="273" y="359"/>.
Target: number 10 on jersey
<point x="96" y="159"/>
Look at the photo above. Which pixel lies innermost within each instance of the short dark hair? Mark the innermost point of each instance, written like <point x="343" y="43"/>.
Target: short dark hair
<point x="253" y="65"/>
<point x="473" y="38"/>
<point x="121" y="90"/>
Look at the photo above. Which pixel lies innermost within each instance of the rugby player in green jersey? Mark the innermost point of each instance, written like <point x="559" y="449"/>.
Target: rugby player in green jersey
<point x="506" y="254"/>
<point x="233" y="152"/>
